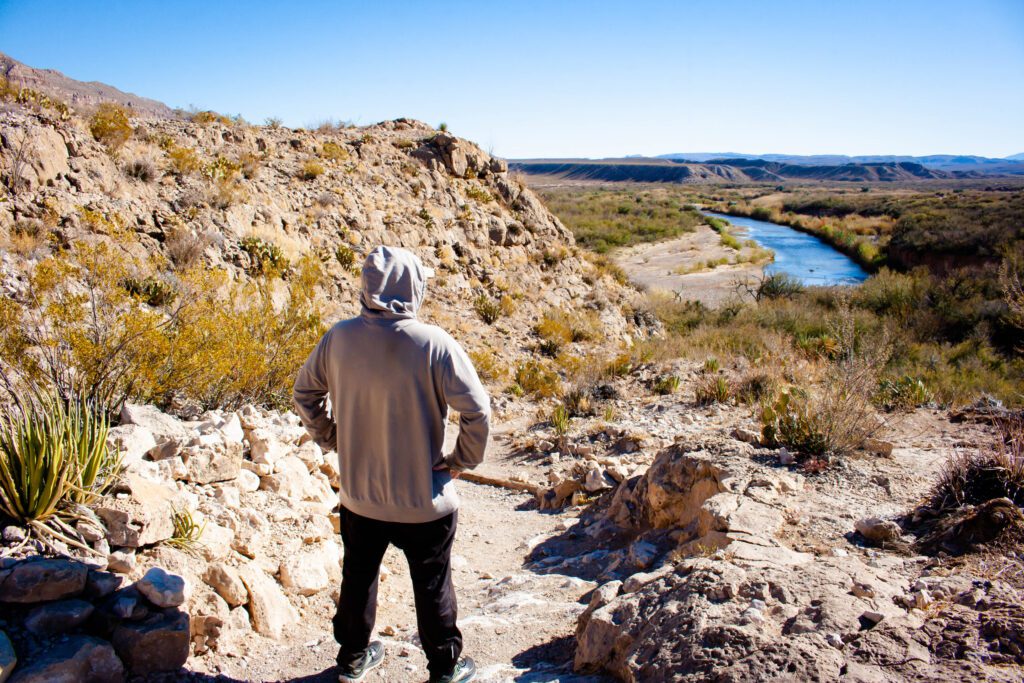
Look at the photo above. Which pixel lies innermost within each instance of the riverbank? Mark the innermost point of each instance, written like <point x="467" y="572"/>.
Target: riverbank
<point x="861" y="249"/>
<point x="679" y="266"/>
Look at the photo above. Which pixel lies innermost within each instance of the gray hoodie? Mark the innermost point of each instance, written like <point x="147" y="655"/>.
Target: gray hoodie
<point x="391" y="380"/>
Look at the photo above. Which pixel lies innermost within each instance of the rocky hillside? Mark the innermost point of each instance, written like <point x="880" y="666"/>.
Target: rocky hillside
<point x="78" y="94"/>
<point x="227" y="190"/>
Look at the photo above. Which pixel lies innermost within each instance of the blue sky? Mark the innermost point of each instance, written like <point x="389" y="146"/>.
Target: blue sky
<point x="530" y="79"/>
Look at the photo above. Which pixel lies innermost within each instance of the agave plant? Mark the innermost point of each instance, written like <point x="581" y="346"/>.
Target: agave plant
<point x="53" y="457"/>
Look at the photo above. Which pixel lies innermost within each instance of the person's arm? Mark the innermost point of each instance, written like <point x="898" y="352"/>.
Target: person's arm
<point x="310" y="398"/>
<point x="464" y="392"/>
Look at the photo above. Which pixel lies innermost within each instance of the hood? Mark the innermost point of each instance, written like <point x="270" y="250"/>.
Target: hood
<point x="394" y="282"/>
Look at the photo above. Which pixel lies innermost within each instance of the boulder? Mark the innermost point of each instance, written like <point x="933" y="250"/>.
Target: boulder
<point x="227" y="582"/>
<point x="162" y="426"/>
<point x="247" y="481"/>
<point x="290" y="479"/>
<point x="232" y="430"/>
<point x="265" y="448"/>
<point x="878" y="531"/>
<point x="58" y="617"/>
<point x="155" y="644"/>
<point x="39" y="580"/>
<point x="122" y="561"/>
<point x="310" y="571"/>
<point x="141" y="519"/>
<point x="78" y="659"/>
<point x="8" y="658"/>
<point x="220" y="461"/>
<point x="132" y="441"/>
<point x="269" y="608"/>
<point x="162" y="589"/>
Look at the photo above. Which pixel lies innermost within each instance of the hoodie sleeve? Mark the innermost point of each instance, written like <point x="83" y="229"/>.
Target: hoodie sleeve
<point x="464" y="392"/>
<point x="310" y="397"/>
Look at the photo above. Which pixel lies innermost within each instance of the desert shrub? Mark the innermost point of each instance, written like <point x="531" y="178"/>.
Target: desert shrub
<point x="27" y="237"/>
<point x="222" y="168"/>
<point x="508" y="304"/>
<point x="903" y="393"/>
<point x="249" y="164"/>
<point x="711" y="365"/>
<point x="332" y="151"/>
<point x="265" y="257"/>
<point x="487" y="308"/>
<point x="184" y="248"/>
<point x="221" y="343"/>
<point x="110" y="126"/>
<point x="479" y="194"/>
<point x="205" y="117"/>
<point x="225" y="191"/>
<point x="443" y="127"/>
<point x="836" y="419"/>
<point x="620" y="365"/>
<point x="273" y="122"/>
<point x="974" y="477"/>
<point x="183" y="160"/>
<point x="404" y="143"/>
<point x="560" y="420"/>
<point x="534" y="378"/>
<point x="53" y="456"/>
<point x="141" y="169"/>
<point x="488" y="366"/>
<point x="778" y="285"/>
<point x="757" y="387"/>
<point x="311" y="170"/>
<point x="713" y="389"/>
<point x="12" y="92"/>
<point x="345" y="256"/>
<point x="665" y="384"/>
<point x="579" y="401"/>
<point x="890" y="293"/>
<point x="150" y="290"/>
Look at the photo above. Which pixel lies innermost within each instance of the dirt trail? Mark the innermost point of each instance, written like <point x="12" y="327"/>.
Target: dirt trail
<point x="518" y="625"/>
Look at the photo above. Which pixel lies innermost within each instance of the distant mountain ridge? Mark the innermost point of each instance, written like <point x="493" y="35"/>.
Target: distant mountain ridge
<point x="78" y="94"/>
<point x="946" y="162"/>
<point x="735" y="170"/>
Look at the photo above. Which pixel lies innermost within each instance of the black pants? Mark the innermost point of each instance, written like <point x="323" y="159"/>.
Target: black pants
<point x="428" y="549"/>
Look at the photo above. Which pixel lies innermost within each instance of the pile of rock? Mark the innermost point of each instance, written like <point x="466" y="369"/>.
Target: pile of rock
<point x="580" y="470"/>
<point x="262" y="494"/>
<point x="64" y="620"/>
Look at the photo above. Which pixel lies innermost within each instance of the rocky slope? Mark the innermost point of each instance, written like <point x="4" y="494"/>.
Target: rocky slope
<point x="78" y="94"/>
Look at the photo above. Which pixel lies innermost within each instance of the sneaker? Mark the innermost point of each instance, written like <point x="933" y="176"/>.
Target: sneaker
<point x="371" y="659"/>
<point x="464" y="671"/>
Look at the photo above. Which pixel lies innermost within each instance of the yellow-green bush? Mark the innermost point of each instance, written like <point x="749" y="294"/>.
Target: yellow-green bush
<point x="535" y="378"/>
<point x="183" y="160"/>
<point x="110" y="126"/>
<point x="311" y="170"/>
<point x="219" y="343"/>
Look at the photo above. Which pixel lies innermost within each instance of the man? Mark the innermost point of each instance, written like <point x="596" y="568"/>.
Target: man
<point x="391" y="380"/>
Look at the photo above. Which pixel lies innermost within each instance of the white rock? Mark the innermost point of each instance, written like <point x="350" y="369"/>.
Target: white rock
<point x="162" y="589"/>
<point x="160" y="425"/>
<point x="247" y="481"/>
<point x="232" y="430"/>
<point x="228" y="583"/>
<point x="266" y="448"/>
<point x="269" y="608"/>
<point x="132" y="441"/>
<point x="121" y="561"/>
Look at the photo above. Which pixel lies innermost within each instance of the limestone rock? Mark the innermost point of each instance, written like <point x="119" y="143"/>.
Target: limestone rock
<point x="39" y="580"/>
<point x="58" y="617"/>
<point x="82" y="659"/>
<point x="142" y="519"/>
<point x="156" y="644"/>
<point x="269" y="608"/>
<point x="227" y="582"/>
<point x="290" y="479"/>
<point x="132" y="441"/>
<point x="162" y="589"/>
<point x="220" y="461"/>
<point x="266" y="448"/>
<point x="247" y="481"/>
<point x="311" y="571"/>
<point x="162" y="426"/>
<point x="878" y="531"/>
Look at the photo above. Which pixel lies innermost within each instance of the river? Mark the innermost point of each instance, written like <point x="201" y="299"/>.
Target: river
<point x="799" y="255"/>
